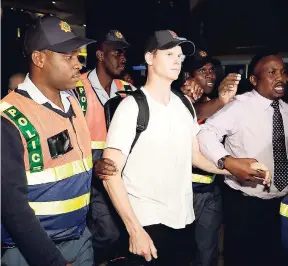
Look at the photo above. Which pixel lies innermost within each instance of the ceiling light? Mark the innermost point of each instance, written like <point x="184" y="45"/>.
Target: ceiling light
<point x="53" y="2"/>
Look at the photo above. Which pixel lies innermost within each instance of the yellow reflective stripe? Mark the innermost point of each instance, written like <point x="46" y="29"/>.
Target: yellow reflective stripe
<point x="4" y="106"/>
<point x="60" y="207"/>
<point x="60" y="172"/>
<point x="79" y="83"/>
<point x="205" y="179"/>
<point x="97" y="145"/>
<point x="284" y="210"/>
<point x="124" y="82"/>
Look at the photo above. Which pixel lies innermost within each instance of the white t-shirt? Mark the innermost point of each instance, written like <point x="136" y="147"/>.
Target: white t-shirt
<point x="157" y="174"/>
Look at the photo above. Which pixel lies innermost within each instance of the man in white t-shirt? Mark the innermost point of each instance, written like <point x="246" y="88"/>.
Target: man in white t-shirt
<point x="152" y="189"/>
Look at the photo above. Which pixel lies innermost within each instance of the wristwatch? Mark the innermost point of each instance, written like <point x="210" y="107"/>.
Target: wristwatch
<point x="221" y="162"/>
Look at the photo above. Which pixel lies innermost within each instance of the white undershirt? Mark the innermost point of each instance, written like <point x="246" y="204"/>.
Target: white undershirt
<point x="38" y="97"/>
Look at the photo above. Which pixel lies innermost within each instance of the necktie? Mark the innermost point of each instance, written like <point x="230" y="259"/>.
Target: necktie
<point x="279" y="149"/>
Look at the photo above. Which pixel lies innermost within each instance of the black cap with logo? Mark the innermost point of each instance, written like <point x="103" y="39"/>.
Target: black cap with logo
<point x="54" y="34"/>
<point x="166" y="39"/>
<point x="115" y="39"/>
<point x="198" y="60"/>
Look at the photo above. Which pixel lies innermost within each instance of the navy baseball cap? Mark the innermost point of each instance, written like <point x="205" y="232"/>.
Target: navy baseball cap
<point x="166" y="39"/>
<point x="54" y="34"/>
<point x="115" y="39"/>
<point x="197" y="61"/>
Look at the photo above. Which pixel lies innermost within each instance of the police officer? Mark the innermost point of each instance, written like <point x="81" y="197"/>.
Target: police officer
<point x="46" y="152"/>
<point x="207" y="196"/>
<point x="93" y="90"/>
<point x="97" y="86"/>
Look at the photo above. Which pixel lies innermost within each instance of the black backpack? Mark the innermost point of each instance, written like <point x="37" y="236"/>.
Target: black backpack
<point x="143" y="115"/>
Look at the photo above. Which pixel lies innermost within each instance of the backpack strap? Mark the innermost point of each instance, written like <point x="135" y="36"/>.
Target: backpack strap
<point x="185" y="101"/>
<point x="143" y="114"/>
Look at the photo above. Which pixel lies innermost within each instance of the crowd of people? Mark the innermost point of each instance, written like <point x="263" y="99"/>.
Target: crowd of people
<point x="75" y="193"/>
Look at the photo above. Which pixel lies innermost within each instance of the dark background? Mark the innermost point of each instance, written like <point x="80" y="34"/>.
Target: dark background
<point x="219" y="26"/>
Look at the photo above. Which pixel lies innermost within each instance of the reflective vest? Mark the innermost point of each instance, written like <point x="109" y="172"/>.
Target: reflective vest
<point x="58" y="189"/>
<point x="93" y="109"/>
<point x="204" y="178"/>
<point x="284" y="218"/>
<point x="200" y="177"/>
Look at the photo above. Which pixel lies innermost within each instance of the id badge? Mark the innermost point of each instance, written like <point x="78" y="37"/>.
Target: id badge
<point x="59" y="144"/>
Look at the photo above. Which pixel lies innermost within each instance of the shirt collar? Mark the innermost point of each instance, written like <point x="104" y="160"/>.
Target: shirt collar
<point x="38" y="97"/>
<point x="95" y="82"/>
<point x="283" y="106"/>
<point x="265" y="103"/>
<point x="93" y="77"/>
<point x="261" y="101"/>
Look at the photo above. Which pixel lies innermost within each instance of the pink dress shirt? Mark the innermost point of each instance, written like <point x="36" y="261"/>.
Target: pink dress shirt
<point x="247" y="123"/>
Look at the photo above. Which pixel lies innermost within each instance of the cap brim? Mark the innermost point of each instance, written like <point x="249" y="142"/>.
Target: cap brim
<point x="118" y="44"/>
<point x="70" y="45"/>
<point x="197" y="64"/>
<point x="188" y="47"/>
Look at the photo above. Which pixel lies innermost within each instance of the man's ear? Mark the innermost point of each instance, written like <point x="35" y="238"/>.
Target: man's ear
<point x="38" y="58"/>
<point x="253" y="80"/>
<point x="149" y="58"/>
<point x="100" y="55"/>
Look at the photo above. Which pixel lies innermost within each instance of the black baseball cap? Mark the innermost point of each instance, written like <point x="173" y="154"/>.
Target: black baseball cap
<point x="52" y="33"/>
<point x="166" y="39"/>
<point x="115" y="39"/>
<point x="198" y="60"/>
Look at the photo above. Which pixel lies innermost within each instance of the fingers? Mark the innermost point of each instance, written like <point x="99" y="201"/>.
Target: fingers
<point x="228" y="89"/>
<point x="197" y="93"/>
<point x="105" y="168"/>
<point x="267" y="180"/>
<point x="148" y="256"/>
<point x="132" y="247"/>
<point x="261" y="168"/>
<point x="257" y="177"/>
<point x="149" y="253"/>
<point x="109" y="162"/>
<point x="109" y="168"/>
<point x="104" y="174"/>
<point x="103" y="177"/>
<point x="185" y="89"/>
<point x="146" y="253"/>
<point x="257" y="169"/>
<point x="192" y="90"/>
<point x="256" y="180"/>
<point x="258" y="173"/>
<point x="233" y="76"/>
<point x="153" y="250"/>
<point x="230" y="81"/>
<point x="228" y="84"/>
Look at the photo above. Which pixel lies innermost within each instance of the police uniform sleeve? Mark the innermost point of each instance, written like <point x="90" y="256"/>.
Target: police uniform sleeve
<point x="17" y="216"/>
